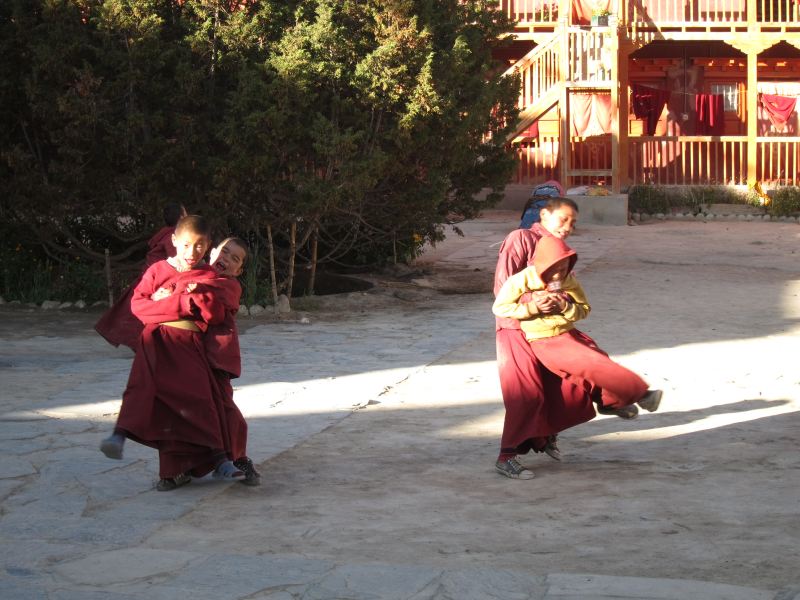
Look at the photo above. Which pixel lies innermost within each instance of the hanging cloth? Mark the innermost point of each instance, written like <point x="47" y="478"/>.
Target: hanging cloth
<point x="648" y="104"/>
<point x="777" y="108"/>
<point x="710" y="109"/>
<point x="591" y="114"/>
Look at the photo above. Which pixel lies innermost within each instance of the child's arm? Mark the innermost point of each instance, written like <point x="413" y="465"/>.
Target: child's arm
<point x="507" y="303"/>
<point x="212" y="300"/>
<point x="152" y="304"/>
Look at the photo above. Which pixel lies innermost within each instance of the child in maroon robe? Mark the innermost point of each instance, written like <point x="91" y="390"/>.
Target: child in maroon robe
<point x="118" y="325"/>
<point x="173" y="402"/>
<point x="547" y="316"/>
<point x="221" y="342"/>
<point x="538" y="403"/>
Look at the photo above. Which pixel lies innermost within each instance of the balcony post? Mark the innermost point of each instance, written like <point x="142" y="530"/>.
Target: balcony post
<point x="752" y="115"/>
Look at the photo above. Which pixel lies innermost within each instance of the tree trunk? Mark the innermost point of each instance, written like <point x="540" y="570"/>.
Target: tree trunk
<point x="313" y="272"/>
<point x="108" y="278"/>
<point x="292" y="251"/>
<point x="272" y="278"/>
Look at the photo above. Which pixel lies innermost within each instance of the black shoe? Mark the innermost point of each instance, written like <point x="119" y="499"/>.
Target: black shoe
<point x="172" y="483"/>
<point x="513" y="469"/>
<point x="626" y="412"/>
<point x="251" y="476"/>
<point x="651" y="400"/>
<point x="551" y="448"/>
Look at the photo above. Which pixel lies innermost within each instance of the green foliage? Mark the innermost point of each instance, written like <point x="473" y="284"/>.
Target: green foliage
<point x="364" y="121"/>
<point x="785" y="202"/>
<point x="653" y="199"/>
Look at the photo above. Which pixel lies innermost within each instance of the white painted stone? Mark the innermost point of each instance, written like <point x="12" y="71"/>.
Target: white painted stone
<point x="80" y="304"/>
<point x="283" y="305"/>
<point x="243" y="311"/>
<point x="255" y="310"/>
<point x="50" y="304"/>
<point x="66" y="305"/>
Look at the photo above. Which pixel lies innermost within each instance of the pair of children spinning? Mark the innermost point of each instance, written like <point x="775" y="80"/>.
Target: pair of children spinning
<point x="547" y="300"/>
<point x="179" y="398"/>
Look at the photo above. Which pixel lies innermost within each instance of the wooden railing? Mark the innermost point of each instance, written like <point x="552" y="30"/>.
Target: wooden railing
<point x="778" y="160"/>
<point x="688" y="160"/>
<point x="665" y="12"/>
<point x="531" y="12"/>
<point x="539" y="72"/>
<point x="590" y="58"/>
<point x="537" y="161"/>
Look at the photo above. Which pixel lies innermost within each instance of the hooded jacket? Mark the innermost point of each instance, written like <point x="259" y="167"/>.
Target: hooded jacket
<point x="549" y="251"/>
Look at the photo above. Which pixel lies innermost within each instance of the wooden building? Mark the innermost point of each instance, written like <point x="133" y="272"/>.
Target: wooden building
<point x="668" y="92"/>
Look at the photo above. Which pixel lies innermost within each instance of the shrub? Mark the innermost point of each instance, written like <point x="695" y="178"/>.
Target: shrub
<point x="785" y="201"/>
<point x="652" y="199"/>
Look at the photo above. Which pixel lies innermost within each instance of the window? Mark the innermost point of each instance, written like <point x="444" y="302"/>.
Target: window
<point x="730" y="93"/>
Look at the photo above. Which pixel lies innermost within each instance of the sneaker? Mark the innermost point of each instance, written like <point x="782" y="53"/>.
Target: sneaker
<point x="172" y="483"/>
<point x="513" y="469"/>
<point x="651" y="400"/>
<point x="227" y="470"/>
<point x="626" y="412"/>
<point x="551" y="448"/>
<point x="251" y="476"/>
<point x="112" y="446"/>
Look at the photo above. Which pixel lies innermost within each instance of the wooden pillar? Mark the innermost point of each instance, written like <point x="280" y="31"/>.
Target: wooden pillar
<point x="752" y="115"/>
<point x="563" y="104"/>
<point x="621" y="175"/>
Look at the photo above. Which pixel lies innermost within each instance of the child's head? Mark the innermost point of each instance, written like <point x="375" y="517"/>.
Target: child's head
<point x="559" y="217"/>
<point x="191" y="240"/>
<point x="553" y="260"/>
<point x="173" y="212"/>
<point x="229" y="256"/>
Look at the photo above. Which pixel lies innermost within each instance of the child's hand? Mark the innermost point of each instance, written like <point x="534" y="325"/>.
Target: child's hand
<point x="545" y="303"/>
<point x="190" y="287"/>
<point x="161" y="293"/>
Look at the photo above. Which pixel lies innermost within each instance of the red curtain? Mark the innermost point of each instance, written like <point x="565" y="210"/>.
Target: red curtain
<point x="777" y="108"/>
<point x="710" y="114"/>
<point x="648" y="104"/>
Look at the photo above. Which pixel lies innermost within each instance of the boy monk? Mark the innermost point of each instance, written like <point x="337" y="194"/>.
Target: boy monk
<point x="221" y="342"/>
<point x="538" y="403"/>
<point x="547" y="321"/>
<point x="118" y="325"/>
<point x="172" y="401"/>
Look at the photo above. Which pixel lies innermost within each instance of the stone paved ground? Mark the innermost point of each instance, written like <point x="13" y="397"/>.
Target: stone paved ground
<point x="376" y="422"/>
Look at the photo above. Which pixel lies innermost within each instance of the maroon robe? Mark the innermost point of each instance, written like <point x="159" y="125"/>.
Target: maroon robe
<point x="118" y="325"/>
<point x="538" y="402"/>
<point x="222" y="349"/>
<point x="172" y="401"/>
<point x="574" y="356"/>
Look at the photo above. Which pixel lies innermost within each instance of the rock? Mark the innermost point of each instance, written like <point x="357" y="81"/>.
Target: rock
<point x="80" y="304"/>
<point x="659" y="216"/>
<point x="283" y="305"/>
<point x="305" y="320"/>
<point x="66" y="305"/>
<point x="2" y="300"/>
<point x="243" y="311"/>
<point x="99" y="303"/>
<point x="50" y="304"/>
<point x="255" y="310"/>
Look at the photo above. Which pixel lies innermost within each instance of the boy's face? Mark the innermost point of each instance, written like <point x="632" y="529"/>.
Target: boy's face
<point x="228" y="259"/>
<point x="191" y="248"/>
<point x="556" y="272"/>
<point x="560" y="221"/>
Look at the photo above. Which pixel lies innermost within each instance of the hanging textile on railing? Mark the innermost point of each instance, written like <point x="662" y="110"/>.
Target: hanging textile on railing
<point x="648" y="103"/>
<point x="591" y="114"/>
<point x="710" y="110"/>
<point x="778" y="109"/>
<point x="582" y="10"/>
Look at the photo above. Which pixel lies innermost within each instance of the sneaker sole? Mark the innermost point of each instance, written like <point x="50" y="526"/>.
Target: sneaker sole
<point x="653" y="403"/>
<point x="554" y="454"/>
<point x="111" y="450"/>
<point x="523" y="475"/>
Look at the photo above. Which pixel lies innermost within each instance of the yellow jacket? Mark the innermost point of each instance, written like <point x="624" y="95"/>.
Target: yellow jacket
<point x="533" y="324"/>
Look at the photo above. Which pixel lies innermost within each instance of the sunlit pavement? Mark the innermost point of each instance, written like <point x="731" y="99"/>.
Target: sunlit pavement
<point x="376" y="432"/>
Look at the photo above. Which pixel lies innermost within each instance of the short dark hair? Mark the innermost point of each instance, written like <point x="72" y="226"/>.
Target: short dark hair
<point x="557" y="202"/>
<point x="239" y="242"/>
<point x="194" y="224"/>
<point x="173" y="211"/>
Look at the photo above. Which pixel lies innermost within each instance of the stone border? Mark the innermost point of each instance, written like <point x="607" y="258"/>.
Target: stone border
<point x="641" y="217"/>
